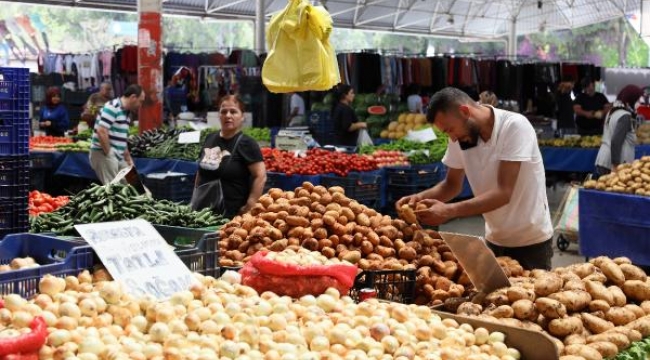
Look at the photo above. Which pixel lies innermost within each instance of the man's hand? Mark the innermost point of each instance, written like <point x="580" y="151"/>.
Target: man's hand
<point x="435" y="214"/>
<point x="248" y="206"/>
<point x="410" y="200"/>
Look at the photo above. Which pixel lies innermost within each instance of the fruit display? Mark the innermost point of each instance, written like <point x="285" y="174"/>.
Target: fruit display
<point x="258" y="134"/>
<point x="405" y="122"/>
<point x="85" y="318"/>
<point x="119" y="202"/>
<point x="47" y="143"/>
<point x="140" y="143"/>
<point x="315" y="162"/>
<point x="19" y="263"/>
<point x="40" y="202"/>
<point x="592" y="310"/>
<point x="631" y="178"/>
<point x="643" y="133"/>
<point x="389" y="158"/>
<point x="574" y="141"/>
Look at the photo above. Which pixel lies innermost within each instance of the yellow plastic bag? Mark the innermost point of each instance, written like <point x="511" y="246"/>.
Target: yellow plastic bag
<point x="300" y="57"/>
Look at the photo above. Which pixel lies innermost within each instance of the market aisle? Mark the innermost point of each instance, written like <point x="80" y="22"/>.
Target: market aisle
<point x="475" y="226"/>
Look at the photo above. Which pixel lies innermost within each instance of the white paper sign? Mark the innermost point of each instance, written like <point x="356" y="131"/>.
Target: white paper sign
<point x="138" y="257"/>
<point x="423" y="136"/>
<point x="189" y="137"/>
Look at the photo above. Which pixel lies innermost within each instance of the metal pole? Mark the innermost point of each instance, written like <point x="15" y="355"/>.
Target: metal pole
<point x="260" y="27"/>
<point x="150" y="63"/>
<point x="512" y="38"/>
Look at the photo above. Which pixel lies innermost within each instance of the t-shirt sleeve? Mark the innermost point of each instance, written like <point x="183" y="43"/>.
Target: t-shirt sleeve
<point x="517" y="141"/>
<point x="106" y="118"/>
<point x="453" y="156"/>
<point x="250" y="151"/>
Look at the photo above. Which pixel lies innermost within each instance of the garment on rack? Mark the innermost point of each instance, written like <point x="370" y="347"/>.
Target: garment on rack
<point x="129" y="59"/>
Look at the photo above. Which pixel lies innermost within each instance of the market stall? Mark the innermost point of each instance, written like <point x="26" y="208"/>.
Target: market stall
<point x="583" y="160"/>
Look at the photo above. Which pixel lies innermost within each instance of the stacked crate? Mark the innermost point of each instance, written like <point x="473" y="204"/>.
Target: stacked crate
<point x="404" y="181"/>
<point x="14" y="150"/>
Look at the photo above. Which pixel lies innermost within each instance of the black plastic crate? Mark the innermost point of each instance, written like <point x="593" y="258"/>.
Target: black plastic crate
<point x="14" y="191"/>
<point x="14" y="170"/>
<point x="204" y="259"/>
<point x="364" y="188"/>
<point x="41" y="160"/>
<point x="396" y="192"/>
<point x="273" y="180"/>
<point x="14" y="216"/>
<point x="391" y="285"/>
<point x="418" y="176"/>
<point x="182" y="237"/>
<point x="173" y="186"/>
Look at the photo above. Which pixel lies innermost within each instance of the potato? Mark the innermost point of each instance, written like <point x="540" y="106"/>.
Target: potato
<point x="549" y="308"/>
<point x="575" y="339"/>
<point x="612" y="271"/>
<point x="574" y="300"/>
<point x="605" y="348"/>
<point x="599" y="305"/>
<point x="632" y="272"/>
<point x="497" y="297"/>
<point x="565" y="327"/>
<point x="469" y="309"/>
<point x="294" y="220"/>
<point x="548" y="284"/>
<point x="622" y="260"/>
<point x="637" y="290"/>
<point x="571" y="357"/>
<point x="632" y="335"/>
<point x="620" y="340"/>
<point x="595" y="324"/>
<point x="584" y="351"/>
<point x="619" y="296"/>
<point x="620" y="315"/>
<point x="524" y="309"/>
<point x="598" y="291"/>
<point x="352" y="257"/>
<point x="596" y="276"/>
<point x="641" y="325"/>
<point x="515" y="293"/>
<point x="583" y="270"/>
<point x="574" y="285"/>
<point x="646" y="307"/>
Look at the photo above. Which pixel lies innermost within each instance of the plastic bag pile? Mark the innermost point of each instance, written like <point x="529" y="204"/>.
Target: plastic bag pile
<point x="300" y="56"/>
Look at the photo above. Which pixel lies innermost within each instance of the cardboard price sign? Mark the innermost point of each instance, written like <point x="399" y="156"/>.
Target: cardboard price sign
<point x="138" y="257"/>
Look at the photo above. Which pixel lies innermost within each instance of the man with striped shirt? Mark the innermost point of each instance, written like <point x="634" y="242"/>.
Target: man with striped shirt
<point x="109" y="152"/>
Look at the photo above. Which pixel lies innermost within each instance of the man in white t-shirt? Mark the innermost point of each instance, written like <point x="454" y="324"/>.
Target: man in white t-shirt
<point x="497" y="150"/>
<point x="296" y="110"/>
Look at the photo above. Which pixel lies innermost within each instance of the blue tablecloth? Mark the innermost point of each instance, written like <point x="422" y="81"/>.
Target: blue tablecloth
<point x="577" y="159"/>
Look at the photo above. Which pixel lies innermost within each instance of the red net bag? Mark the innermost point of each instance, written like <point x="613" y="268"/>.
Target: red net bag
<point x="264" y="274"/>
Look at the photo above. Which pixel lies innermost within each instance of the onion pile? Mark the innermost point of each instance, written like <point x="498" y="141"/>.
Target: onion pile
<point x="302" y="257"/>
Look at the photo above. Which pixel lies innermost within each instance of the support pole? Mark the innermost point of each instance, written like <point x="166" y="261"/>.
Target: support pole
<point x="512" y="38"/>
<point x="260" y="27"/>
<point x="150" y="75"/>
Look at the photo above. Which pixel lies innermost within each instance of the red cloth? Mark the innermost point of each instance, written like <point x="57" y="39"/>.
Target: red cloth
<point x="129" y="61"/>
<point x="644" y="110"/>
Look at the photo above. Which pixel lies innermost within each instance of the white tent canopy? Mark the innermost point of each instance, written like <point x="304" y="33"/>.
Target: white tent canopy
<point x="469" y="19"/>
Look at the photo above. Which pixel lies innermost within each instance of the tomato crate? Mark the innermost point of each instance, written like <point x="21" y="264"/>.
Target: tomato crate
<point x="424" y="176"/>
<point x="55" y="256"/>
<point x="14" y="170"/>
<point x="364" y="188"/>
<point x="177" y="187"/>
<point x="391" y="285"/>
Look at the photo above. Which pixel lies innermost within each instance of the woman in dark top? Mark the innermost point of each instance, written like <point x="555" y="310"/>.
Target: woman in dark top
<point x="241" y="169"/>
<point x="54" y="116"/>
<point x="346" y="124"/>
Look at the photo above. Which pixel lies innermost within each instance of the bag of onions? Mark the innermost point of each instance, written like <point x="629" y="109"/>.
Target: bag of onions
<point x="297" y="274"/>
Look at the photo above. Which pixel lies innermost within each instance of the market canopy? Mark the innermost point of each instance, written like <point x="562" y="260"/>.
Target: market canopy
<point x="470" y="19"/>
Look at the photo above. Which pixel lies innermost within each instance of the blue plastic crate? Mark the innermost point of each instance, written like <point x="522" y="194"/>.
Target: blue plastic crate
<point x="14" y="215"/>
<point x="14" y="83"/>
<point x="364" y="188"/>
<point x="14" y="170"/>
<point x="14" y="133"/>
<point x="289" y="183"/>
<point x="55" y="256"/>
<point x="422" y="176"/>
<point x="174" y="187"/>
<point x="14" y="191"/>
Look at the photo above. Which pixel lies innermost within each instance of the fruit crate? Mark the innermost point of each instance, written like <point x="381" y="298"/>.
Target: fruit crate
<point x="364" y="188"/>
<point x="391" y="285"/>
<point x="420" y="176"/>
<point x="14" y="170"/>
<point x="55" y="256"/>
<point x="177" y="187"/>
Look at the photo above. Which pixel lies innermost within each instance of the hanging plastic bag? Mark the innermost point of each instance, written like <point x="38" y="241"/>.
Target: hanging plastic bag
<point x="300" y="56"/>
<point x="364" y="138"/>
<point x="568" y="219"/>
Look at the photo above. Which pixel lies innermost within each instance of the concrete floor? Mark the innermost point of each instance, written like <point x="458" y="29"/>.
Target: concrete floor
<point x="476" y="226"/>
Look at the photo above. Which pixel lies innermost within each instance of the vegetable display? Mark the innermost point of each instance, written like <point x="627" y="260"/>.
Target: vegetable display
<point x="120" y="202"/>
<point x="258" y="134"/>
<point x="315" y="161"/>
<point x="139" y="144"/>
<point x="47" y="143"/>
<point x="631" y="178"/>
<point x="417" y="152"/>
<point x="643" y="133"/>
<point x="591" y="141"/>
<point x="79" y="146"/>
<point x="593" y="310"/>
<point x="389" y="158"/>
<point x="40" y="202"/>
<point x="171" y="149"/>
<point x="74" y="318"/>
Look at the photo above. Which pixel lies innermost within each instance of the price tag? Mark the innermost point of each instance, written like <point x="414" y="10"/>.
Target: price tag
<point x="424" y="135"/>
<point x="189" y="137"/>
<point x="138" y="257"/>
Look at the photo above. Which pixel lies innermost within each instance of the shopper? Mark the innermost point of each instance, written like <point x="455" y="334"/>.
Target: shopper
<point x="346" y="124"/>
<point x="95" y="102"/>
<point x="234" y="158"/>
<point x="108" y="150"/>
<point x="590" y="108"/>
<point x="296" y="110"/>
<point x="414" y="100"/>
<point x="54" y="118"/>
<point x="565" y="115"/>
<point x="497" y="150"/>
<point x="488" y="98"/>
<point x="619" y="134"/>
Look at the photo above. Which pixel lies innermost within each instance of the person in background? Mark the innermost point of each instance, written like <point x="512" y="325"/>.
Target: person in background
<point x="414" y="100"/>
<point x="590" y="108"/>
<point x="488" y="98"/>
<point x="619" y="134"/>
<point x="296" y="110"/>
<point x="643" y="110"/>
<point x="497" y="150"/>
<point x="54" y="118"/>
<point x="564" y="113"/>
<point x="346" y="124"/>
<point x="241" y="169"/>
<point x="109" y="152"/>
<point x="95" y="102"/>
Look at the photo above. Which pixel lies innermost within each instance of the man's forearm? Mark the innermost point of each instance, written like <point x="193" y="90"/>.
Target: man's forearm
<point x="443" y="191"/>
<point x="104" y="140"/>
<point x="480" y="204"/>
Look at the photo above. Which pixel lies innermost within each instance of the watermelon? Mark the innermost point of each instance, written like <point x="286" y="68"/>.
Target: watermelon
<point x="376" y="110"/>
<point x="361" y="111"/>
<point x="402" y="108"/>
<point x="371" y="99"/>
<point x="329" y="99"/>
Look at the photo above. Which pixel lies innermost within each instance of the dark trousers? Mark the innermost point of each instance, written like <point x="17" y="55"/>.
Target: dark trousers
<point x="537" y="256"/>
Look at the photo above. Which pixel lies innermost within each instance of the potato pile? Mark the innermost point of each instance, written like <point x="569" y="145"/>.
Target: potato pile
<point x="325" y="220"/>
<point x="631" y="178"/>
<point x="592" y="310"/>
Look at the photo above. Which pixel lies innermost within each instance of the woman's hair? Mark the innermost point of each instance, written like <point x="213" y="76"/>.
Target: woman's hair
<point x="234" y="98"/>
<point x="339" y="92"/>
<point x="630" y="94"/>
<point x="51" y="92"/>
<point x="488" y="98"/>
